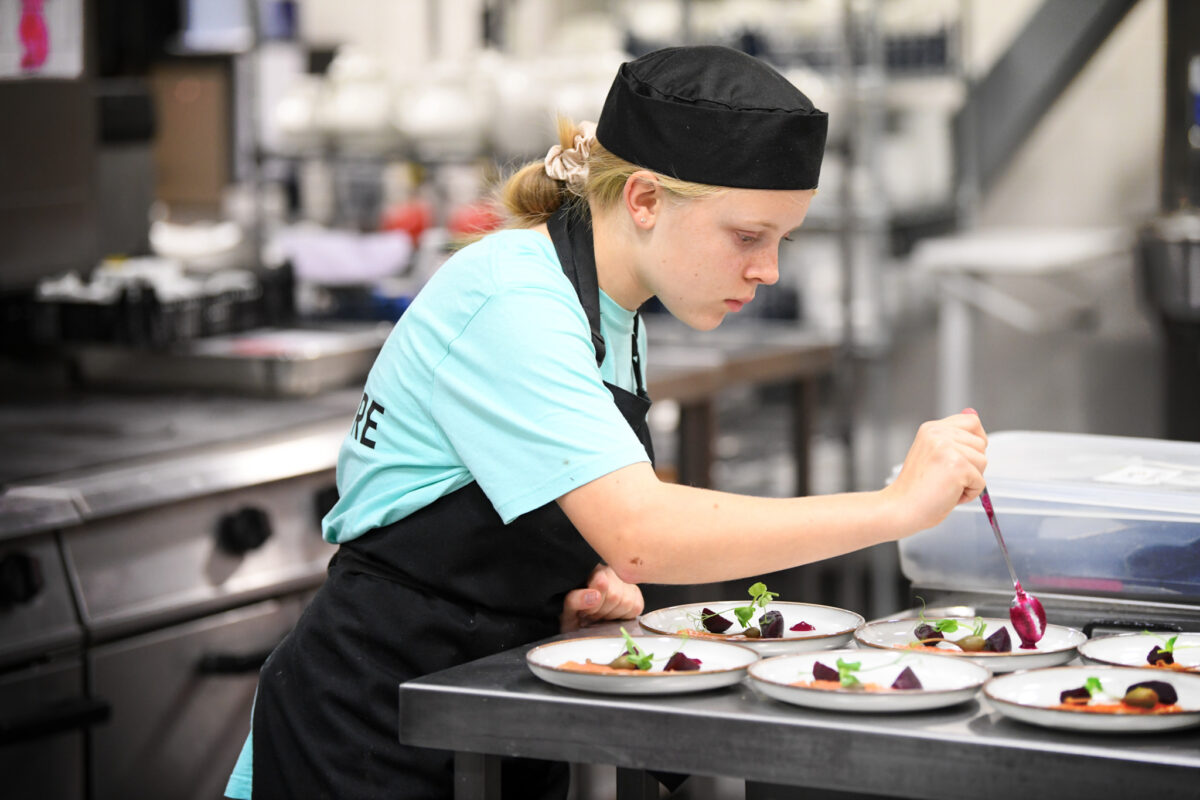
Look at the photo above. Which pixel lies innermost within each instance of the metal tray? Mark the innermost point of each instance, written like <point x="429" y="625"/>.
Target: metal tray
<point x="275" y="362"/>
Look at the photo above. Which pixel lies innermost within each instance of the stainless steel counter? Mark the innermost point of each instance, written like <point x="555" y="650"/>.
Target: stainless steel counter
<point x="495" y="706"/>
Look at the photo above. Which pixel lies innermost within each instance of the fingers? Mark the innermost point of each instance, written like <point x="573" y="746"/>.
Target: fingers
<point x="621" y="600"/>
<point x="970" y="421"/>
<point x="944" y="468"/>
<point x="605" y="597"/>
<point x="576" y="606"/>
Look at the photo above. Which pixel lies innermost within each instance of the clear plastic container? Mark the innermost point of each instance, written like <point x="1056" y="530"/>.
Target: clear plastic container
<point x="1081" y="514"/>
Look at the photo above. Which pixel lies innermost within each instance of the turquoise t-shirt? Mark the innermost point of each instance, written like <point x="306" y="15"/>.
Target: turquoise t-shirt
<point x="490" y="376"/>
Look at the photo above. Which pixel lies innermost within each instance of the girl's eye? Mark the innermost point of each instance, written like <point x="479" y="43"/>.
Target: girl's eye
<point x="746" y="238"/>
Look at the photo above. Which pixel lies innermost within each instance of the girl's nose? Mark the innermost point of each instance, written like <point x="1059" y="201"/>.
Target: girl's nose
<point x="765" y="268"/>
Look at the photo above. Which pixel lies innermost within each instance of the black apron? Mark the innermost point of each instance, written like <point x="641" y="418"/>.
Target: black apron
<point x="448" y="584"/>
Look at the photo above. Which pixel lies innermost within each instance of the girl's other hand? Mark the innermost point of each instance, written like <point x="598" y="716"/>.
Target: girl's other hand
<point x="605" y="597"/>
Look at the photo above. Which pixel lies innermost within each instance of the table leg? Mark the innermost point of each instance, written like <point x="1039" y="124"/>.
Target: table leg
<point x="476" y="776"/>
<point x="635" y="784"/>
<point x="697" y="429"/>
<point x="803" y="395"/>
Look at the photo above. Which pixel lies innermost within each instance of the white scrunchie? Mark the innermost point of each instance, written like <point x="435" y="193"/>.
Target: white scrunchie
<point x="570" y="165"/>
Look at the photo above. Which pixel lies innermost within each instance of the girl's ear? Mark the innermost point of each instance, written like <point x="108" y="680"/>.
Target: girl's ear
<point x="643" y="198"/>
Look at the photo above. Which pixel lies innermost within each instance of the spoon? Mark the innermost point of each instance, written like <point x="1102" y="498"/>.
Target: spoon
<point x="1026" y="612"/>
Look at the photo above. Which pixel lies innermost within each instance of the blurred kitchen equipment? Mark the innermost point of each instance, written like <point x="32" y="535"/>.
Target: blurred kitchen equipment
<point x="269" y="362"/>
<point x="969" y="268"/>
<point x="1169" y="255"/>
<point x="1169" y="245"/>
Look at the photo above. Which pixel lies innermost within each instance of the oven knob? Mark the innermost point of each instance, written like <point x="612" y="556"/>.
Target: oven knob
<point x="243" y="530"/>
<point x="20" y="578"/>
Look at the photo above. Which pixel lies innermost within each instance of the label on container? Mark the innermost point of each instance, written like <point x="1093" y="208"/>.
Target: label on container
<point x="1150" y="475"/>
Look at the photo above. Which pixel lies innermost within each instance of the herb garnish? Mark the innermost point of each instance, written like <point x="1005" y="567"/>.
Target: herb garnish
<point x="846" y="674"/>
<point x="927" y="631"/>
<point x="760" y="597"/>
<point x="952" y="625"/>
<point x="636" y="655"/>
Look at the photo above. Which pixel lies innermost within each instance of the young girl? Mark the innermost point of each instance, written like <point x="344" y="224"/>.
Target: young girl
<point x="498" y="469"/>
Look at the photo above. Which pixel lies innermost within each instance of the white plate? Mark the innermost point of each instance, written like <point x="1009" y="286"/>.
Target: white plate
<point x="944" y="681"/>
<point x="721" y="664"/>
<point x="1056" y="647"/>
<point x="833" y="627"/>
<point x="1131" y="650"/>
<point x="1029" y="696"/>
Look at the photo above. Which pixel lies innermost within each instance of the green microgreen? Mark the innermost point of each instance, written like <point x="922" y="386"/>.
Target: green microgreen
<point x="636" y="655"/>
<point x="951" y="625"/>
<point x="1093" y="686"/>
<point x="759" y="598"/>
<point x="846" y="672"/>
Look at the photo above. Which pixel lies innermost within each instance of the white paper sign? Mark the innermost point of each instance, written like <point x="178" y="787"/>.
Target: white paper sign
<point x="41" y="38"/>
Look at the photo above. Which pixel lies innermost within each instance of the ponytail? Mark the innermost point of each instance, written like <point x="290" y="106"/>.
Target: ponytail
<point x="531" y="196"/>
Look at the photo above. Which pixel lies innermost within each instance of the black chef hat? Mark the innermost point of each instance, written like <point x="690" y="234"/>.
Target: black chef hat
<point x="713" y="115"/>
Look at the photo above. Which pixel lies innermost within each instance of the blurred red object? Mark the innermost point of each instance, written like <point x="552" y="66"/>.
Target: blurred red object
<point x="35" y="38"/>
<point x="413" y="217"/>
<point x="474" y="219"/>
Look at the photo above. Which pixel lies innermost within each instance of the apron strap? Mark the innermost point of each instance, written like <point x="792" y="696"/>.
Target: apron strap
<point x="571" y="232"/>
<point x="637" y="358"/>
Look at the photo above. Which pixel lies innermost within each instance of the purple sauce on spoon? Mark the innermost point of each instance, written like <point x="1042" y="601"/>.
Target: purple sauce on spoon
<point x="1026" y="612"/>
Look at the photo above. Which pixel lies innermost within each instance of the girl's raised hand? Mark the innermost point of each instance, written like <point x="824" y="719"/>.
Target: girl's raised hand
<point x="944" y="467"/>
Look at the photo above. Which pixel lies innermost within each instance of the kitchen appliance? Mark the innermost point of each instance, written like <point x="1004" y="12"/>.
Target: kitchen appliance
<point x="143" y="583"/>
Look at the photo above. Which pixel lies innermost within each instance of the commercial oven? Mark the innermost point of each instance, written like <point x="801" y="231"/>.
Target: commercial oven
<point x="140" y="594"/>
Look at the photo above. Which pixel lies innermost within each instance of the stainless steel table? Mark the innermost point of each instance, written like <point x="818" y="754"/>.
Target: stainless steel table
<point x="495" y="707"/>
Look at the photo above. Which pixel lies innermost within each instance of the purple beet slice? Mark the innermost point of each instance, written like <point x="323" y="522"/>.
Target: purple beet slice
<point x="1157" y="654"/>
<point x="771" y="625"/>
<point x="824" y="673"/>
<point x="907" y="679"/>
<point x="1165" y="691"/>
<point x="926" y="631"/>
<point x="678" y="662"/>
<point x="1080" y="694"/>
<point x="802" y="626"/>
<point x="714" y="622"/>
<point x="998" y="642"/>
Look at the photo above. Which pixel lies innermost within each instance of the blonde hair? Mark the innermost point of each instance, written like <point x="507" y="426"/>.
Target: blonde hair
<point x="530" y="196"/>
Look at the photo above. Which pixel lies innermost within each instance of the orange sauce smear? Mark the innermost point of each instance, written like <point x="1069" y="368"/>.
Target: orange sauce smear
<point x="704" y="634"/>
<point x="1116" y="708"/>
<point x="868" y="687"/>
<point x="599" y="669"/>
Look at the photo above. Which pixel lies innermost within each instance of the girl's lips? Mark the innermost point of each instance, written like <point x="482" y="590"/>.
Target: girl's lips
<point x="734" y="305"/>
